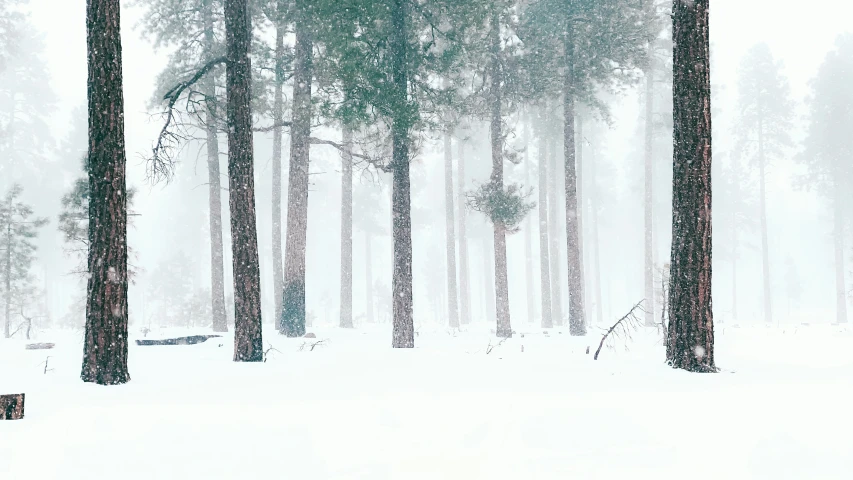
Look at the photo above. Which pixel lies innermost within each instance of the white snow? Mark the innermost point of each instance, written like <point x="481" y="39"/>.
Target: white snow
<point x="353" y="408"/>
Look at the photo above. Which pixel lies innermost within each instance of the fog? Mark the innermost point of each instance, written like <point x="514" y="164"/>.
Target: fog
<point x="171" y="220"/>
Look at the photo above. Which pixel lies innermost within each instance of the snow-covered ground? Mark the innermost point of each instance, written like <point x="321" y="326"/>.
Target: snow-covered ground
<point x="537" y="406"/>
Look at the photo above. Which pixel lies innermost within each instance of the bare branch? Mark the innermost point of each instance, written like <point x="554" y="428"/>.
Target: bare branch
<point x="622" y="326"/>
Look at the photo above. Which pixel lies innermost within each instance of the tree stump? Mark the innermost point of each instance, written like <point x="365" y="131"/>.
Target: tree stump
<point x="12" y="407"/>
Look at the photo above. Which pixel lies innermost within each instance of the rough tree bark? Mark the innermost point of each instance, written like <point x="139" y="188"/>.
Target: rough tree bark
<point x="579" y="161"/>
<point x="544" y="261"/>
<point x="577" y="322"/>
<point x="217" y="267"/>
<point x="450" y="236"/>
<point x="690" y="342"/>
<point x="346" y="230"/>
<point x="278" y="119"/>
<point x="648" y="212"/>
<point x="105" y="346"/>
<point x="503" y="328"/>
<point x="401" y="202"/>
<point x="248" y="340"/>
<point x="293" y="309"/>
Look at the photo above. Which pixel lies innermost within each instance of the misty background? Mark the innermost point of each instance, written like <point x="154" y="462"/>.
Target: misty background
<point x="170" y="243"/>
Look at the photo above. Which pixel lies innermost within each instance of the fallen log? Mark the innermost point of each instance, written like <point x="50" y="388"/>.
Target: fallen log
<point x="191" y="340"/>
<point x="40" y="346"/>
<point x="12" y="407"/>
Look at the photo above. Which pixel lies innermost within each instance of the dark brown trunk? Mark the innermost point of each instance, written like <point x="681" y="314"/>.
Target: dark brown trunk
<point x="293" y="314"/>
<point x="648" y="248"/>
<point x="464" y="285"/>
<point x="346" y="230"/>
<point x="690" y="343"/>
<point x="278" y="118"/>
<point x="544" y="260"/>
<point x="12" y="407"/>
<point x="503" y="328"/>
<point x="450" y="236"/>
<point x="401" y="202"/>
<point x="217" y="267"/>
<point x="248" y="339"/>
<point x="105" y="344"/>
<point x="577" y="322"/>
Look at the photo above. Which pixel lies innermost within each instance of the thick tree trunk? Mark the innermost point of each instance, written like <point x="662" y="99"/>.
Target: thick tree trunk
<point x="840" y="283"/>
<point x="368" y="277"/>
<point x="464" y="285"/>
<point x="690" y="343"/>
<point x="544" y="261"/>
<point x="579" y="162"/>
<point x="105" y="345"/>
<point x="489" y="301"/>
<point x="503" y="328"/>
<point x="450" y="235"/>
<point x="528" y="231"/>
<point x="293" y="308"/>
<point x="554" y="236"/>
<point x="401" y="202"/>
<point x="577" y="322"/>
<point x="765" y="250"/>
<point x="12" y="407"/>
<point x="346" y="230"/>
<point x="648" y="212"/>
<point x="248" y="339"/>
<point x="278" y="118"/>
<point x="217" y="267"/>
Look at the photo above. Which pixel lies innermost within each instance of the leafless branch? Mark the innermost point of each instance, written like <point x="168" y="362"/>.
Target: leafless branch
<point x="622" y="327"/>
<point x="492" y="347"/>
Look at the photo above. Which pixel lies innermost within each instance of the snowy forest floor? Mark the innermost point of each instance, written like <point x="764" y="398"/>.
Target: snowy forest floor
<point x="534" y="407"/>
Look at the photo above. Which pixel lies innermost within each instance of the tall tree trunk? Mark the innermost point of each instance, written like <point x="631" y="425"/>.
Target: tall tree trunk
<point x="278" y="118"/>
<point x="7" y="325"/>
<point x="450" y="235"/>
<point x="248" y="339"/>
<point x="401" y="202"/>
<point x="765" y="250"/>
<point x="528" y="231"/>
<point x="105" y="345"/>
<point x="554" y="236"/>
<point x="544" y="261"/>
<point x="503" y="328"/>
<point x="489" y="300"/>
<point x="579" y="162"/>
<point x="293" y="308"/>
<point x="214" y="189"/>
<point x="840" y="283"/>
<point x="648" y="212"/>
<point x="596" y="243"/>
<point x="346" y="230"/>
<point x="368" y="277"/>
<point x="577" y="322"/>
<point x="690" y="344"/>
<point x="464" y="285"/>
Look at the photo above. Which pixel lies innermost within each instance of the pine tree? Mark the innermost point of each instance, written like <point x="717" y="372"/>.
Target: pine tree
<point x="248" y="339"/>
<point x="18" y="229"/>
<point x="105" y="346"/>
<point x="764" y="123"/>
<point x="573" y="46"/>
<point x="690" y="339"/>
<point x="829" y="146"/>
